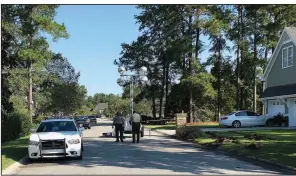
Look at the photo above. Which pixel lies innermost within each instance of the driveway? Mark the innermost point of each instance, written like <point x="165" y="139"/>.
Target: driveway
<point x="155" y="154"/>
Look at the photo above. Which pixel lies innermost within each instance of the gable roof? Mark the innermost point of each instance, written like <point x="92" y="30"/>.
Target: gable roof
<point x="292" y="32"/>
<point x="289" y="33"/>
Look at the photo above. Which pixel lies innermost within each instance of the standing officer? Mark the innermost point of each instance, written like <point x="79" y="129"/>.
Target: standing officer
<point x="118" y="121"/>
<point x="136" y="124"/>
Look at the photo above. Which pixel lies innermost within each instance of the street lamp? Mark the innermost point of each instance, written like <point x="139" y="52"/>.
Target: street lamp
<point x="121" y="70"/>
<point x="120" y="81"/>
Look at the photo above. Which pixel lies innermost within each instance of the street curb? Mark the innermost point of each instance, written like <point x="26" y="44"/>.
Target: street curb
<point x="12" y="169"/>
<point x="235" y="154"/>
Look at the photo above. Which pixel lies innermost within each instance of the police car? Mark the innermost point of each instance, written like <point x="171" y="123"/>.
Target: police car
<point x="56" y="137"/>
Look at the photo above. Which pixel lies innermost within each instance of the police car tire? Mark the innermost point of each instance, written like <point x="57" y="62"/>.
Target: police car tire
<point x="80" y="157"/>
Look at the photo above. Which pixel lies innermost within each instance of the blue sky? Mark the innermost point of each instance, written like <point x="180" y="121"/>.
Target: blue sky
<point x="96" y="32"/>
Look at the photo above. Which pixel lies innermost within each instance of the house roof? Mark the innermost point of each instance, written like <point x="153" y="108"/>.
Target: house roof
<point x="291" y="32"/>
<point x="279" y="91"/>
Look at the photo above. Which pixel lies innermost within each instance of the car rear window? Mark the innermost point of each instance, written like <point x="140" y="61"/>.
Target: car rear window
<point x="230" y="113"/>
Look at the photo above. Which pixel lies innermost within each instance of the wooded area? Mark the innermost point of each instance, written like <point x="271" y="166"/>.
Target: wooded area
<point x="170" y="46"/>
<point x="34" y="79"/>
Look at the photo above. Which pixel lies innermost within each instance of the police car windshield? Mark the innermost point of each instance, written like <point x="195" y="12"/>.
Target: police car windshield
<point x="56" y="126"/>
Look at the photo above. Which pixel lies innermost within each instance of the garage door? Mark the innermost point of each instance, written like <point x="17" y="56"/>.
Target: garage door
<point x="275" y="107"/>
<point x="292" y="112"/>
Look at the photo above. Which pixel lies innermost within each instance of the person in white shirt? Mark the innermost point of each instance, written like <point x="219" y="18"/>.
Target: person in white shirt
<point x="136" y="124"/>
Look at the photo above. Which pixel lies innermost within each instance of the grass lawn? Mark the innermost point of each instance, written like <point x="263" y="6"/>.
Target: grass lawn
<point x="172" y="126"/>
<point x="14" y="151"/>
<point x="275" y="145"/>
<point x="206" y="125"/>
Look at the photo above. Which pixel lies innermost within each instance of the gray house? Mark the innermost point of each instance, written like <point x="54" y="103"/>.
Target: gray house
<point x="279" y="95"/>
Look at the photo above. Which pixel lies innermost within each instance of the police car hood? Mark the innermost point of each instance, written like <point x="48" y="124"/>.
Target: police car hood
<point x="55" y="135"/>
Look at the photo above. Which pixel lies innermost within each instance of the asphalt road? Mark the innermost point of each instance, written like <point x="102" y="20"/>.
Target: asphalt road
<point x="155" y="154"/>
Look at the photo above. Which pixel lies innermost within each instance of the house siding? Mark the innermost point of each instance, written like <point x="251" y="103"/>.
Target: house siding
<point x="279" y="76"/>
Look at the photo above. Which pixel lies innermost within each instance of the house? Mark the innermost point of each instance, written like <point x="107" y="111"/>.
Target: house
<point x="279" y="80"/>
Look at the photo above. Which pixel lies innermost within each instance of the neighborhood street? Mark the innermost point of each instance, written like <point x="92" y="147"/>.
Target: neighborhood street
<point x="155" y="154"/>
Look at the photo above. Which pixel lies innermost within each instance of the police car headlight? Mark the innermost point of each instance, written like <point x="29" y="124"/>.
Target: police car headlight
<point x="36" y="143"/>
<point x="74" y="141"/>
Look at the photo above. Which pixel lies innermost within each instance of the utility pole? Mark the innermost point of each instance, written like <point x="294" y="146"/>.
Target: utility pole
<point x="132" y="96"/>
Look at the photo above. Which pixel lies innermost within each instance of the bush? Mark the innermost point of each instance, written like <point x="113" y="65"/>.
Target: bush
<point x="15" y="125"/>
<point x="280" y="120"/>
<point x="38" y="119"/>
<point x="189" y="133"/>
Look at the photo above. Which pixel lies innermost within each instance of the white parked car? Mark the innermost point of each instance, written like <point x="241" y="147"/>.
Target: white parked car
<point x="128" y="128"/>
<point x="56" y="137"/>
<point x="243" y="119"/>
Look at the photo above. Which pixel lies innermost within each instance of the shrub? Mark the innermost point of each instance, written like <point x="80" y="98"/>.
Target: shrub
<point x="15" y="125"/>
<point x="189" y="133"/>
<point x="38" y="119"/>
<point x="280" y="120"/>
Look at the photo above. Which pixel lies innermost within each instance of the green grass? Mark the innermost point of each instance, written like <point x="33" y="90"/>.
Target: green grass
<point x="280" y="146"/>
<point x="14" y="151"/>
<point x="207" y="126"/>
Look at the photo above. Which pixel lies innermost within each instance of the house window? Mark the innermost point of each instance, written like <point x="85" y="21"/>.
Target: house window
<point x="287" y="57"/>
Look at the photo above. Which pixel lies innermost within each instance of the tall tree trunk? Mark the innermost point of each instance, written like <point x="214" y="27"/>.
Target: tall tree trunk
<point x="154" y="105"/>
<point x="264" y="67"/>
<point x="255" y="76"/>
<point x="162" y="85"/>
<point x="190" y="70"/>
<point x="254" y="69"/>
<point x="30" y="98"/>
<point x="219" y="77"/>
<point x="238" y="64"/>
<point x="167" y="90"/>
<point x="197" y="48"/>
<point x="242" y="38"/>
<point x="183" y="57"/>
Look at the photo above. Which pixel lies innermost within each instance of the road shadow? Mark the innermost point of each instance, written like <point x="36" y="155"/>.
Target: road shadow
<point x="156" y="153"/>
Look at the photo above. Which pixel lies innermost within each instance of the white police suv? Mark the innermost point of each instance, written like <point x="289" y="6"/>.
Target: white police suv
<point x="56" y="137"/>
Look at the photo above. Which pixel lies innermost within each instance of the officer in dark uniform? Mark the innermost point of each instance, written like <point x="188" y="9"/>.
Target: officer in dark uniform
<point x="118" y="121"/>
